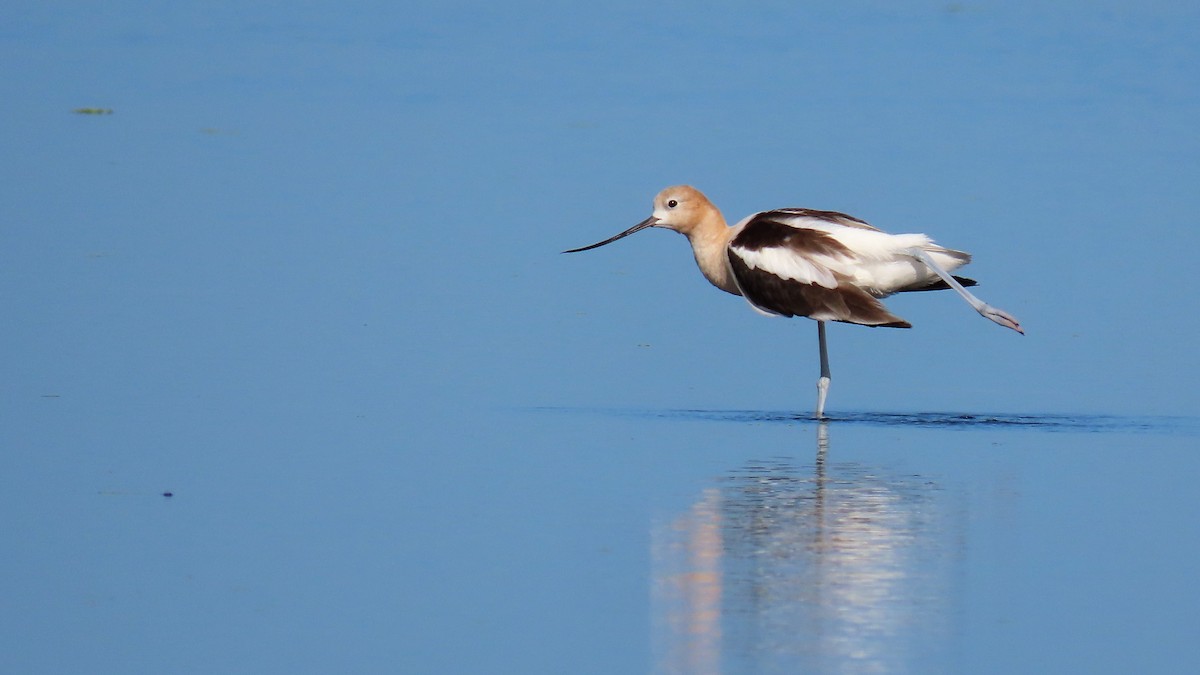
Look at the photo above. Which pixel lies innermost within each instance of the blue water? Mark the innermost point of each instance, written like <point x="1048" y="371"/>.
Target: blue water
<point x="296" y="380"/>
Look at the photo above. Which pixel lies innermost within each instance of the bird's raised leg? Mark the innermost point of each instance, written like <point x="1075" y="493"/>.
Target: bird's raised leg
<point x="998" y="315"/>
<point x="823" y="381"/>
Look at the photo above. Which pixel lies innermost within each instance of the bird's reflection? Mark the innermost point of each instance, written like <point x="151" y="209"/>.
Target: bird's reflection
<point x="833" y="567"/>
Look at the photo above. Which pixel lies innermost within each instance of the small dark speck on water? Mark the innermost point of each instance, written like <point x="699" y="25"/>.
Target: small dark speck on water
<point x="93" y="111"/>
<point x="168" y="494"/>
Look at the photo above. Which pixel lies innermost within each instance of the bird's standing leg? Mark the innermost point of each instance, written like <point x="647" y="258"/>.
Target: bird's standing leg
<point x="823" y="381"/>
<point x="998" y="315"/>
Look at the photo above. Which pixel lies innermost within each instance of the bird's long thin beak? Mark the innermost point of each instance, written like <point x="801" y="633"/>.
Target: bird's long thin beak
<point x="649" y="222"/>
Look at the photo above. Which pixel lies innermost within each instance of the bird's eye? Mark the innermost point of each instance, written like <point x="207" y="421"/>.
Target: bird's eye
<point x="672" y="204"/>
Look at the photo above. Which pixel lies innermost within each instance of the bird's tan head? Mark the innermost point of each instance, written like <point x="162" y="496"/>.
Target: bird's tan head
<point x="682" y="208"/>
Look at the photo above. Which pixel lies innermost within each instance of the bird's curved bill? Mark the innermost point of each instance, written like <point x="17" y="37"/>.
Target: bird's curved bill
<point x="649" y="222"/>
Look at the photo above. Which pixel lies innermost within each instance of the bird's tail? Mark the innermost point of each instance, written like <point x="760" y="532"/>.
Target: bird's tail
<point x="948" y="259"/>
<point x="939" y="285"/>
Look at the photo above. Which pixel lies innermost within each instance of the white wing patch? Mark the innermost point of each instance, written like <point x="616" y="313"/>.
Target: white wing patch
<point x="787" y="264"/>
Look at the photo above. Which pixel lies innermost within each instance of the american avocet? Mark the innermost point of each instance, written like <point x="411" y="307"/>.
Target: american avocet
<point x="825" y="265"/>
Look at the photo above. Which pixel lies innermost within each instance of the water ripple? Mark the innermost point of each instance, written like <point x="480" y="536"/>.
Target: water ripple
<point x="1047" y="422"/>
<point x="962" y="421"/>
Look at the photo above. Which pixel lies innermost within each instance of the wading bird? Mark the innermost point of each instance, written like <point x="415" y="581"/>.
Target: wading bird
<point x="824" y="265"/>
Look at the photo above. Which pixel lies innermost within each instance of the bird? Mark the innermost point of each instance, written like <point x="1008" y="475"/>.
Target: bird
<point x="798" y="262"/>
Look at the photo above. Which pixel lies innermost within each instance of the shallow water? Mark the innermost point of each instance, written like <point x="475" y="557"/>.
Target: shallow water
<point x="544" y="537"/>
<point x="295" y="379"/>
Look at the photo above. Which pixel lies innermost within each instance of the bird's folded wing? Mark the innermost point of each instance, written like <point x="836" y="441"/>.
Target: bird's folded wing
<point x="773" y="294"/>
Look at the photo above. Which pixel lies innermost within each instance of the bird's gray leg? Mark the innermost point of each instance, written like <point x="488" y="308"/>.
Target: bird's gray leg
<point x="998" y="315"/>
<point x="823" y="382"/>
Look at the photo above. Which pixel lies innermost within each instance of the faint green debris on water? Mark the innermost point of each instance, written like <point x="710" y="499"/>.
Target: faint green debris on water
<point x="93" y="111"/>
<point x="214" y="131"/>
